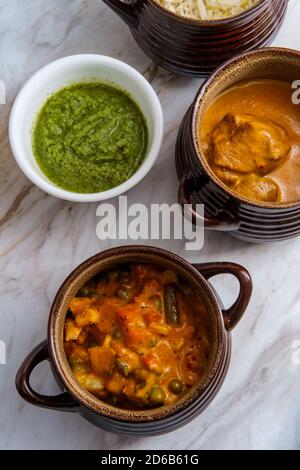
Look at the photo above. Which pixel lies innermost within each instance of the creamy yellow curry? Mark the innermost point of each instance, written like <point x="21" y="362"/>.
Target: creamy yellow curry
<point x="251" y="138"/>
<point x="138" y="336"/>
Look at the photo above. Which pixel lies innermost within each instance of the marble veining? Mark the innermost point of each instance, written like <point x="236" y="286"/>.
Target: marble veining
<point x="42" y="239"/>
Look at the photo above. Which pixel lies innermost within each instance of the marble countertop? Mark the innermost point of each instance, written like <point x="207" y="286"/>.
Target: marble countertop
<point x="42" y="239"/>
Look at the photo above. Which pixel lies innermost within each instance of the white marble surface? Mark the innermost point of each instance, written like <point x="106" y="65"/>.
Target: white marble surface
<point x="42" y="239"/>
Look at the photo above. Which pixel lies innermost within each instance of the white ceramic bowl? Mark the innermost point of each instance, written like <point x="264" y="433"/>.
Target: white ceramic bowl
<point x="64" y="72"/>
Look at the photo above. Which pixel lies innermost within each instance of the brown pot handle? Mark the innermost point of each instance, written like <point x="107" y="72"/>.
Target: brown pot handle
<point x="233" y="314"/>
<point x="128" y="12"/>
<point x="224" y="221"/>
<point x="62" y="402"/>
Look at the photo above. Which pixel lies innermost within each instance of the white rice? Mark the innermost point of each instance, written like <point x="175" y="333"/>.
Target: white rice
<point x="207" y="9"/>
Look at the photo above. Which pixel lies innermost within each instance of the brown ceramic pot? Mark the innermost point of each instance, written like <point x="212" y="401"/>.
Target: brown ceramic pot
<point x="224" y="209"/>
<point x="137" y="422"/>
<point x="192" y="47"/>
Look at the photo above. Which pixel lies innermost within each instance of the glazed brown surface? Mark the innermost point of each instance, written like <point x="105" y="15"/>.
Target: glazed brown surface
<point x="138" y="336"/>
<point x="250" y="136"/>
<point x="192" y="47"/>
<point x="141" y="422"/>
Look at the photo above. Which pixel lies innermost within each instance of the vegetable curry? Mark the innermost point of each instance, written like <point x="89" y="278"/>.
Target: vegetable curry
<point x="138" y="336"/>
<point x="251" y="138"/>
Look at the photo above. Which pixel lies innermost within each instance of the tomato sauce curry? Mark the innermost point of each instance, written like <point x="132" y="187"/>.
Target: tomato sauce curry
<point x="138" y="336"/>
<point x="251" y="139"/>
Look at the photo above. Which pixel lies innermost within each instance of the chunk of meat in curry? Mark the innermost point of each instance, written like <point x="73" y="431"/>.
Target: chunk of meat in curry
<point x="250" y="135"/>
<point x="246" y="144"/>
<point x="258" y="188"/>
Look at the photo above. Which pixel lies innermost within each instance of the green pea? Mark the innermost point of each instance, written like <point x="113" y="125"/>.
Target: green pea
<point x="152" y="343"/>
<point x="156" y="300"/>
<point x="85" y="291"/>
<point x="175" y="386"/>
<point x="123" y="367"/>
<point x="88" y="291"/>
<point x="123" y="293"/>
<point x="157" y="396"/>
<point x="117" y="334"/>
<point x="113" y="275"/>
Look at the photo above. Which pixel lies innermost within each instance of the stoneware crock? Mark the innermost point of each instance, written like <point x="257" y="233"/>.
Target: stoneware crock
<point x="137" y="422"/>
<point x="193" y="47"/>
<point x="224" y="209"/>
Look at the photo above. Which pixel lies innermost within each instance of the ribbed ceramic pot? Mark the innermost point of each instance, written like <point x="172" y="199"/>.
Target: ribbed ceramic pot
<point x="192" y="47"/>
<point x="225" y="210"/>
<point x="137" y="422"/>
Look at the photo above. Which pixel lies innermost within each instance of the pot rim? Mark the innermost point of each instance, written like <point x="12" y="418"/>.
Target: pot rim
<point x="86" y="399"/>
<point x="210" y="23"/>
<point x="230" y="64"/>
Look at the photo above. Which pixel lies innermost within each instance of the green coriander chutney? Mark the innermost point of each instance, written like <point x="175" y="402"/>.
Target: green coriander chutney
<point x="90" y="138"/>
